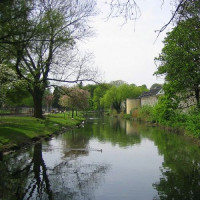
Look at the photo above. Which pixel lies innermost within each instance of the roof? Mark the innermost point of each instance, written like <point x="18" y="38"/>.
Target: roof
<point x="152" y="92"/>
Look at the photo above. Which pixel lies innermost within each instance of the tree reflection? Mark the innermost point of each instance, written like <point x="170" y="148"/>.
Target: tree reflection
<point x="76" y="180"/>
<point x="66" y="174"/>
<point x="113" y="130"/>
<point x="14" y="172"/>
<point x="179" y="185"/>
<point x="26" y="176"/>
<point x="40" y="184"/>
<point x="181" y="167"/>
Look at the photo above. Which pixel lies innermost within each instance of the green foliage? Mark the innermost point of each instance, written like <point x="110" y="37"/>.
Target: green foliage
<point x="146" y="113"/>
<point x="13" y="92"/>
<point x="17" y="95"/>
<point x="179" y="60"/>
<point x="192" y="123"/>
<point x="167" y="114"/>
<point x="127" y="116"/>
<point x="90" y="88"/>
<point x="156" y="85"/>
<point x="116" y="95"/>
<point x="98" y="94"/>
<point x="165" y="109"/>
<point x="164" y="112"/>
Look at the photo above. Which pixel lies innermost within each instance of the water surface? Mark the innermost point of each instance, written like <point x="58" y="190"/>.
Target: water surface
<point x="107" y="159"/>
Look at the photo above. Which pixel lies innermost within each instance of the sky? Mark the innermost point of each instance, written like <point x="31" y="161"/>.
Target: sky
<point x="126" y="52"/>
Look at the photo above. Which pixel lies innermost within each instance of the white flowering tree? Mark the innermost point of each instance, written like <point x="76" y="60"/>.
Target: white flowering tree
<point x="7" y="77"/>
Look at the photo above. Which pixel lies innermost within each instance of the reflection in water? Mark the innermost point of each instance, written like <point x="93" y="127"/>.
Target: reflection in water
<point x="32" y="179"/>
<point x="112" y="130"/>
<point x="136" y="162"/>
<point x="39" y="185"/>
<point x="181" y="167"/>
<point x="132" y="127"/>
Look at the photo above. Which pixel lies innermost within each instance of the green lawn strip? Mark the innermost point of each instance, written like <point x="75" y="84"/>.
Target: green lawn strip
<point x="16" y="131"/>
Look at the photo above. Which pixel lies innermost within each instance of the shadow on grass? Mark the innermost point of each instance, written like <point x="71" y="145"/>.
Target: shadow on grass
<point x="12" y="136"/>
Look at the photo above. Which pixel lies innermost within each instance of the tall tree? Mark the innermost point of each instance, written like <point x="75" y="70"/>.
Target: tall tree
<point x="45" y="50"/>
<point x="180" y="58"/>
<point x="99" y="92"/>
<point x="90" y="88"/>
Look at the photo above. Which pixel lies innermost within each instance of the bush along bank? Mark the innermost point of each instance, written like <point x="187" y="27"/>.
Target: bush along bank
<point x="16" y="132"/>
<point x="187" y="123"/>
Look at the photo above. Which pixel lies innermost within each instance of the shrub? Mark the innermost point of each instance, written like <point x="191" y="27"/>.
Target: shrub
<point x="134" y="112"/>
<point x="192" y="123"/>
<point x="165" y="110"/>
<point x="127" y="116"/>
<point x="146" y="113"/>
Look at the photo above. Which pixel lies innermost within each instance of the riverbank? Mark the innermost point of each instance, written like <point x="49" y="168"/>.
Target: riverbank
<point x="17" y="132"/>
<point x="189" y="136"/>
<point x="184" y="123"/>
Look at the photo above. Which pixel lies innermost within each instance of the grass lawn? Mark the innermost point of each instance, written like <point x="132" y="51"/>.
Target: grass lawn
<point x="16" y="131"/>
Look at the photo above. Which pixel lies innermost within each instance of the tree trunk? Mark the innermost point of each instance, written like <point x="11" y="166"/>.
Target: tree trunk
<point x="117" y="107"/>
<point x="40" y="171"/>
<point x="37" y="99"/>
<point x="197" y="97"/>
<point x="72" y="113"/>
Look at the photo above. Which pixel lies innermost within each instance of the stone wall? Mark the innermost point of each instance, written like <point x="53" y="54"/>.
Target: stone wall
<point x="132" y="103"/>
<point x="149" y="100"/>
<point x="186" y="104"/>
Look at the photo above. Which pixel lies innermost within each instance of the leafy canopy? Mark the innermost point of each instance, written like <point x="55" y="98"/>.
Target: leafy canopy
<point x="179" y="60"/>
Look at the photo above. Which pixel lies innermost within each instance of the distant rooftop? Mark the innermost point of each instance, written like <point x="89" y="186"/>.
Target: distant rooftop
<point x="152" y="92"/>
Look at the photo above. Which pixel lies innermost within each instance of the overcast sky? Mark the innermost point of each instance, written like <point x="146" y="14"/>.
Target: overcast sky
<point x="127" y="53"/>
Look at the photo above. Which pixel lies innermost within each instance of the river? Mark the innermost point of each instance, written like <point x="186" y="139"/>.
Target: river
<point x="107" y="159"/>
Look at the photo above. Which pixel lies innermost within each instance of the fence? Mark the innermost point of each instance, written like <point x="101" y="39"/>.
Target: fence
<point x="16" y="111"/>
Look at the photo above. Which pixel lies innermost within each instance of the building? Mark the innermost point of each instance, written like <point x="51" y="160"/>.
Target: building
<point x="147" y="98"/>
<point x="151" y="98"/>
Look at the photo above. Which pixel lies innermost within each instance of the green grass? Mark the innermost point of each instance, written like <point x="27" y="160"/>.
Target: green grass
<point x="5" y="112"/>
<point x="17" y="131"/>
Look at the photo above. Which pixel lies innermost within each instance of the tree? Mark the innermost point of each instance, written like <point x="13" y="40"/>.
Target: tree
<point x="117" y="83"/>
<point x="179" y="60"/>
<point x="75" y="99"/>
<point x="116" y="95"/>
<point x="57" y="95"/>
<point x="99" y="92"/>
<point x="48" y="100"/>
<point x="13" y="92"/>
<point x="90" y="88"/>
<point x="45" y="50"/>
<point x="6" y="77"/>
<point x="156" y="85"/>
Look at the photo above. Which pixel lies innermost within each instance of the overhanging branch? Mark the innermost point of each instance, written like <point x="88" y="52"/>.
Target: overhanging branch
<point x="73" y="81"/>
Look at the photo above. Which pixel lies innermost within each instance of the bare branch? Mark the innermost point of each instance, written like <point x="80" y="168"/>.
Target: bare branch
<point x="174" y="14"/>
<point x="128" y="9"/>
